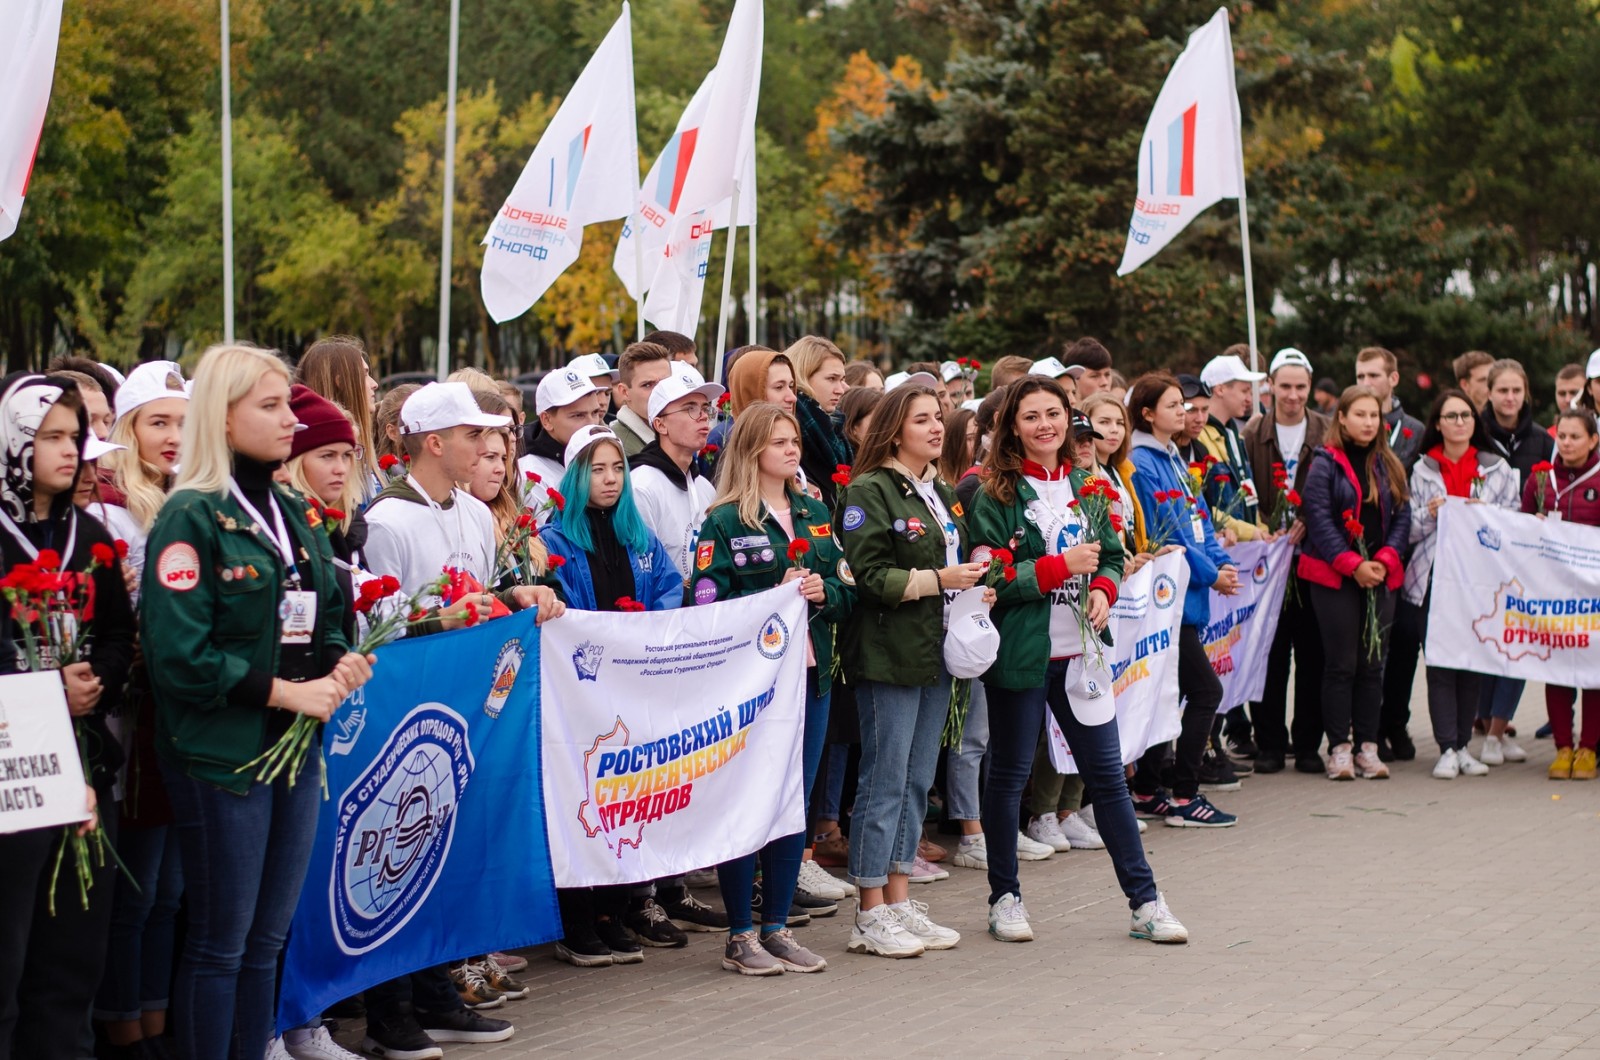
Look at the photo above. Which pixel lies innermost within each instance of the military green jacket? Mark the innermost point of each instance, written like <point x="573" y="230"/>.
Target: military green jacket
<point x="1022" y="611"/>
<point x="732" y="560"/>
<point x="209" y="618"/>
<point x="888" y="531"/>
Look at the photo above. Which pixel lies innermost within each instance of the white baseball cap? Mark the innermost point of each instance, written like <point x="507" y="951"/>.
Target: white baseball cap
<point x="684" y="380"/>
<point x="949" y="370"/>
<point x="1052" y="367"/>
<point x="151" y="381"/>
<point x="1230" y="369"/>
<point x="113" y="372"/>
<point x="585" y="436"/>
<point x="1593" y="371"/>
<point x="562" y="387"/>
<point x="900" y="379"/>
<point x="1291" y="356"/>
<point x="593" y="365"/>
<point x="443" y="406"/>
<point x="971" y="641"/>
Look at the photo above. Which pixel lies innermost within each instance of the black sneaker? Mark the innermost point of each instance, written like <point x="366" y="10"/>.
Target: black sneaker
<point x="651" y="926"/>
<point x="1404" y="749"/>
<point x="1243" y="766"/>
<point x="625" y="949"/>
<point x="1269" y="763"/>
<point x="400" y="1037"/>
<point x="797" y="917"/>
<point x="351" y="1008"/>
<point x="689" y="912"/>
<point x="1216" y="773"/>
<point x="1241" y="747"/>
<point x="1310" y="764"/>
<point x="1385" y="752"/>
<point x="464" y="1025"/>
<point x="815" y="906"/>
<point x="583" y="951"/>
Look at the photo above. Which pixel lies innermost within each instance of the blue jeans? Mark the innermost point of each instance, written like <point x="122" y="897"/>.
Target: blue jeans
<point x="1498" y="697"/>
<point x="244" y="859"/>
<point x="780" y="859"/>
<point x="143" y="925"/>
<point x="833" y="790"/>
<point x="1016" y="717"/>
<point x="964" y="764"/>
<point x="900" y="731"/>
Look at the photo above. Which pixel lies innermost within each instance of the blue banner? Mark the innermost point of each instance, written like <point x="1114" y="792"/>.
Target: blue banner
<point x="431" y="846"/>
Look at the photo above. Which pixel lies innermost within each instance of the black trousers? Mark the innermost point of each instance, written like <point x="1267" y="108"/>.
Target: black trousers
<point x="1198" y="682"/>
<point x="1299" y="637"/>
<point x="1400" y="672"/>
<point x="24" y="855"/>
<point x="1352" y="675"/>
<point x="428" y="990"/>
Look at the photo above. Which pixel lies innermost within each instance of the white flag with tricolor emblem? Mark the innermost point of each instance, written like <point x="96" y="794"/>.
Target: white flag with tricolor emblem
<point x="583" y="171"/>
<point x="1191" y="155"/>
<point x="29" y="31"/>
<point x="703" y="179"/>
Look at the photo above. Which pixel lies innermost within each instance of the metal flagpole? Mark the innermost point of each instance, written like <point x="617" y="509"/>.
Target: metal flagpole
<point x="638" y="266"/>
<point x="727" y="281"/>
<point x="1244" y="242"/>
<point x="449" y="194"/>
<point x="750" y="297"/>
<point x="227" y="182"/>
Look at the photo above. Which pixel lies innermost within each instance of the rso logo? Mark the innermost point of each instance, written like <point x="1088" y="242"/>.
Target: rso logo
<point x="1164" y="591"/>
<point x="395" y="824"/>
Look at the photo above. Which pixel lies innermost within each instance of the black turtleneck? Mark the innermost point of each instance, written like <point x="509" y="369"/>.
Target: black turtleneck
<point x="1371" y="515"/>
<point x="610" y="569"/>
<point x="255" y="480"/>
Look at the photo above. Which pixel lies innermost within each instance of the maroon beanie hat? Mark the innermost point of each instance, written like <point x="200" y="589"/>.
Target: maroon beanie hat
<point x="324" y="423"/>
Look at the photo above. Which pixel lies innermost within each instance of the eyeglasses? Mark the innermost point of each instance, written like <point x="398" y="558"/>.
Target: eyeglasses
<point x="696" y="412"/>
<point x="1455" y="417"/>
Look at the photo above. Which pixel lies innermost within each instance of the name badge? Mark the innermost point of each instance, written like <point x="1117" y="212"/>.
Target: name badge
<point x="1198" y="527"/>
<point x="298" y="615"/>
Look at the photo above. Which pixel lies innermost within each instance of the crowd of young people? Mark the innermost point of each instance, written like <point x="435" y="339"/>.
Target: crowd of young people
<point x="241" y="514"/>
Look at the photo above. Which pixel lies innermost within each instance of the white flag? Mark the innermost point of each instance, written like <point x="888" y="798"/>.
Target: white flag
<point x="724" y="153"/>
<point x="27" y="66"/>
<point x="584" y="171"/>
<point x="1192" y="151"/>
<point x="658" y="199"/>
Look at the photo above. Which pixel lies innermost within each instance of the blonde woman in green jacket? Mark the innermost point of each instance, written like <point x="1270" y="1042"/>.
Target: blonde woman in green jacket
<point x="904" y="537"/>
<point x="1065" y="565"/>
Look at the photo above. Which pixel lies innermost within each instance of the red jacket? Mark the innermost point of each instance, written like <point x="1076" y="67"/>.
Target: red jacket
<point x="1580" y="504"/>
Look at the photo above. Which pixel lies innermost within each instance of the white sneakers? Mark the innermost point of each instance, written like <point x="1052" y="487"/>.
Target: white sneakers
<point x="1498" y="750"/>
<point x="972" y="852"/>
<point x="913" y="917"/>
<point x="878" y="932"/>
<point x="1029" y="849"/>
<point x="1448" y="767"/>
<point x="1155" y="922"/>
<point x="820" y="883"/>
<point x="1086" y="815"/>
<point x="315" y="1044"/>
<point x="1008" y="920"/>
<point x="1469" y="765"/>
<point x="1045" y="829"/>
<point x="1080" y="833"/>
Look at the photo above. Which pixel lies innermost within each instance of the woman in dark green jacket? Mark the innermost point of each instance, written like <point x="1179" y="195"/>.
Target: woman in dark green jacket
<point x="760" y="532"/>
<point x="904" y="538"/>
<point x="1067" y="565"/>
<point x="243" y="623"/>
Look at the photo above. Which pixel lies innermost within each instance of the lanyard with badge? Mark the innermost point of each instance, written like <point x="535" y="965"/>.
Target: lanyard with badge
<point x="297" y="613"/>
<point x="1196" y="520"/>
<point x="457" y="539"/>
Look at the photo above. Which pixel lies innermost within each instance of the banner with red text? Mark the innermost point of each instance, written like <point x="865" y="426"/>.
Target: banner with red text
<point x="1515" y="596"/>
<point x="671" y="739"/>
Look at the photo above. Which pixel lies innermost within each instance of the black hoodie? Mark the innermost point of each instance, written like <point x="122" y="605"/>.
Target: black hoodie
<point x="1522" y="446"/>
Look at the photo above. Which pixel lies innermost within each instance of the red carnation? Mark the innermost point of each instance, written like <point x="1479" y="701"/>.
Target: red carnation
<point x="841" y="474"/>
<point x="1010" y="574"/>
<point x="391" y="584"/>
<point x="533" y="476"/>
<point x="798" y="548"/>
<point x="1116" y="522"/>
<point x="48" y="559"/>
<point x="333" y="513"/>
<point x="1004" y="556"/>
<point x="372" y="590"/>
<point x="558" y="500"/>
<point x="387" y="460"/>
<point x="1543" y="465"/>
<point x="1294" y="498"/>
<point x="1405" y="432"/>
<point x="556" y="562"/>
<point x="524" y="520"/>
<point x="103" y="554"/>
<point x="122" y="548"/>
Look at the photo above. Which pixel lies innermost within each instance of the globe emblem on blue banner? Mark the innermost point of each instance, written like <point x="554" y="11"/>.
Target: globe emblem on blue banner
<point x="395" y="824"/>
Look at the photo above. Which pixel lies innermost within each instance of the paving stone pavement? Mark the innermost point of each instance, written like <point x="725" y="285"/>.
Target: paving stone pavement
<point x="1410" y="918"/>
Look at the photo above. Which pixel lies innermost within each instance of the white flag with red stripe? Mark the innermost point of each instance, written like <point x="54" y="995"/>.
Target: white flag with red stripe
<point x="1191" y="155"/>
<point x="584" y="171"/>
<point x="29" y="31"/>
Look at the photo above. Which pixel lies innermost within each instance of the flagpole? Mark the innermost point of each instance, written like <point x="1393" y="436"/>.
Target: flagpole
<point x="638" y="265"/>
<point x="727" y="281"/>
<point x="446" y="239"/>
<point x="750" y="296"/>
<point x="227" y="182"/>
<point x="1244" y="228"/>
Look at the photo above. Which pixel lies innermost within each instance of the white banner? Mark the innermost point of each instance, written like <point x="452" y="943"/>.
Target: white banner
<point x="1239" y="637"/>
<point x="1190" y="156"/>
<point x="1515" y="596"/>
<point x="41" y="775"/>
<point x="582" y="172"/>
<point x="671" y="739"/>
<point x="27" y="68"/>
<point x="1144" y="661"/>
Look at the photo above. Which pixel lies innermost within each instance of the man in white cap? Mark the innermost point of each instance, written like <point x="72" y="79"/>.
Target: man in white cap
<point x="1054" y="369"/>
<point x="958" y="384"/>
<point x="900" y="379"/>
<point x="1232" y="387"/>
<point x="564" y="402"/>
<point x="423" y="525"/>
<point x="1286" y="437"/>
<point x="672" y="497"/>
<point x="601" y="374"/>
